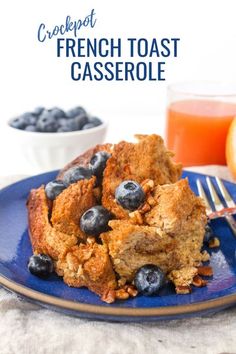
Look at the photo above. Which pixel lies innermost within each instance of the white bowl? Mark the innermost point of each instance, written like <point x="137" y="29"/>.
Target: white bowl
<point x="50" y="151"/>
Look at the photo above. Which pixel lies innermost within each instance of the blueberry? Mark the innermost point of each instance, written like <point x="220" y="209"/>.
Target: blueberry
<point x="95" y="121"/>
<point x="67" y="125"/>
<point x="81" y="121"/>
<point x="75" y="112"/>
<point x="63" y="129"/>
<point x="130" y="195"/>
<point x="77" y="173"/>
<point x="31" y="128"/>
<point x="208" y="234"/>
<point x="37" y="111"/>
<point x="18" y="123"/>
<point x="54" y="188"/>
<point x="95" y="220"/>
<point x="88" y="126"/>
<point x="47" y="123"/>
<point x="62" y="121"/>
<point x="149" y="279"/>
<point x="98" y="163"/>
<point x="57" y="113"/>
<point x="73" y="124"/>
<point x="40" y="265"/>
<point x="29" y="118"/>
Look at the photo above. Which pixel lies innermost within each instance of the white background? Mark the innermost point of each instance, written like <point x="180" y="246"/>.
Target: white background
<point x="32" y="75"/>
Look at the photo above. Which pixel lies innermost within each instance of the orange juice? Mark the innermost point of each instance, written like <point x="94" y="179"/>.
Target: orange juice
<point x="197" y="130"/>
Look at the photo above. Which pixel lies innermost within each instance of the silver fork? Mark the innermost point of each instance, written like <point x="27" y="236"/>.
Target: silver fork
<point x="219" y="210"/>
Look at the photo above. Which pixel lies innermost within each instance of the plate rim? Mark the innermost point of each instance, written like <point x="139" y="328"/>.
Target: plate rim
<point x="50" y="300"/>
<point x="223" y="301"/>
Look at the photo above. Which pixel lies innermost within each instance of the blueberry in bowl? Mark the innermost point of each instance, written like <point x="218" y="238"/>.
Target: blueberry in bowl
<point x="18" y="123"/>
<point x="95" y="121"/>
<point x="88" y="126"/>
<point x="47" y="123"/>
<point x="67" y="125"/>
<point x="29" y="119"/>
<point x="63" y="129"/>
<point x="75" y="112"/>
<point x="81" y="121"/>
<point x="23" y="121"/>
<point x="38" y="110"/>
<point x="47" y="138"/>
<point x="57" y="112"/>
<point x="55" y="120"/>
<point x="31" y="128"/>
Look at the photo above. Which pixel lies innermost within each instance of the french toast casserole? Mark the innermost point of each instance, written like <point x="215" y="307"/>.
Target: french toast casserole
<point x="158" y="222"/>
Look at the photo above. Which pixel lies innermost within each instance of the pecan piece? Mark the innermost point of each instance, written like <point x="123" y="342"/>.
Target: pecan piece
<point x="183" y="289"/>
<point x="147" y="185"/>
<point x="121" y="294"/>
<point x="151" y="201"/>
<point x="109" y="296"/>
<point x="205" y="256"/>
<point x="199" y="282"/>
<point x="91" y="240"/>
<point x="205" y="270"/>
<point x="214" y="242"/>
<point x="136" y="217"/>
<point x="131" y="290"/>
<point x="122" y="282"/>
<point x="144" y="208"/>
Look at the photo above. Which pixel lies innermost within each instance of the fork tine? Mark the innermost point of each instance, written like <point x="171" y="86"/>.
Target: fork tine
<point x="216" y="200"/>
<point x="227" y="197"/>
<point x="202" y="194"/>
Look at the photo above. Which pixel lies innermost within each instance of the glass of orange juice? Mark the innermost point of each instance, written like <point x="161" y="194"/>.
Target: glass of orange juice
<point x="197" y="122"/>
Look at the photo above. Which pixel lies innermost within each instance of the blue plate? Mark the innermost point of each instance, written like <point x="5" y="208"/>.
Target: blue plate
<point x="15" y="249"/>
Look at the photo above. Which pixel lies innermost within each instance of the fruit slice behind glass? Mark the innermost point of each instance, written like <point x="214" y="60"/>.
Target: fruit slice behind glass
<point x="231" y="148"/>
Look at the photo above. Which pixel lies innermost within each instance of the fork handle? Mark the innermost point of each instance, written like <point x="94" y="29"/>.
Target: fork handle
<point x="232" y="223"/>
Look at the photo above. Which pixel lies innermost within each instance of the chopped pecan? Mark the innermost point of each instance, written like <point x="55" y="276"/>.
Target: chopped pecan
<point x="109" y="296"/>
<point x="147" y="185"/>
<point x="151" y="201"/>
<point x="205" y="256"/>
<point x="136" y="217"/>
<point x="72" y="262"/>
<point x="183" y="289"/>
<point x="121" y="282"/>
<point x="131" y="290"/>
<point x="117" y="261"/>
<point x="214" y="242"/>
<point x="205" y="270"/>
<point x="199" y="282"/>
<point x="80" y="271"/>
<point x="121" y="294"/>
<point x="91" y="240"/>
<point x="144" y="208"/>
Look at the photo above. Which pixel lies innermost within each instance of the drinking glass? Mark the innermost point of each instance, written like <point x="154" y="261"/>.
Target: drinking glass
<point x="197" y="121"/>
